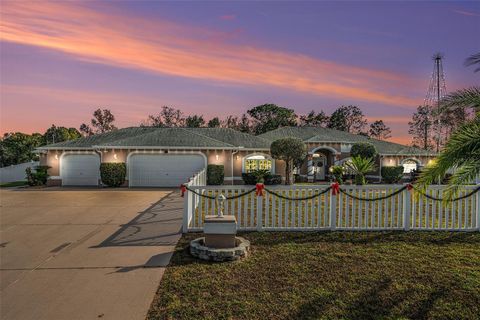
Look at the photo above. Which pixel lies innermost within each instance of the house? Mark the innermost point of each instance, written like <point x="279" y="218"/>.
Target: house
<point x="166" y="157"/>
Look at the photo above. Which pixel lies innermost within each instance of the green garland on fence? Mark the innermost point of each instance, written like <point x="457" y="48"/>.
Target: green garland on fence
<point x="374" y="199"/>
<point x="297" y="199"/>
<point x="450" y="200"/>
<point x="226" y="198"/>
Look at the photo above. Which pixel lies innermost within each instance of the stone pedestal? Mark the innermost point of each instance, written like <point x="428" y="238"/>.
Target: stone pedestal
<point x="220" y="231"/>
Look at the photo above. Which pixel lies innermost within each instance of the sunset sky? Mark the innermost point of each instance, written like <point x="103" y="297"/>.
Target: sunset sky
<point x="62" y="60"/>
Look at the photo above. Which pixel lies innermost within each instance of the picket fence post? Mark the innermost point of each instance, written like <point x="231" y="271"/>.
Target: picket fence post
<point x="186" y="211"/>
<point x="406" y="210"/>
<point x="259" y="213"/>
<point x="478" y="212"/>
<point x="333" y="211"/>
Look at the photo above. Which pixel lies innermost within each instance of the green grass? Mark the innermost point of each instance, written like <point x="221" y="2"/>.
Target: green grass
<point x="330" y="275"/>
<point x="13" y="184"/>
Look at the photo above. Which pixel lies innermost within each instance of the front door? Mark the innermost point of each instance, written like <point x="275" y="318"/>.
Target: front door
<point x="319" y="168"/>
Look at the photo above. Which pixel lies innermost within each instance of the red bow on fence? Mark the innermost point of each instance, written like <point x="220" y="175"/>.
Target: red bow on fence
<point x="335" y="188"/>
<point x="260" y="192"/>
<point x="183" y="189"/>
<point x="409" y="186"/>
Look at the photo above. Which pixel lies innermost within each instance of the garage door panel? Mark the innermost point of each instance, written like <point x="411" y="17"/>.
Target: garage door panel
<point x="80" y="170"/>
<point x="163" y="170"/>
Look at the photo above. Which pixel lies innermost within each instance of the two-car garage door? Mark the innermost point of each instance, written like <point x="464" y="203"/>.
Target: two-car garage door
<point x="144" y="170"/>
<point x="163" y="170"/>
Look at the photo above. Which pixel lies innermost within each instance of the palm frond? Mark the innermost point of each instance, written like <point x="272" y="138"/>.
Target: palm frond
<point x="462" y="152"/>
<point x="463" y="98"/>
<point x="474" y="59"/>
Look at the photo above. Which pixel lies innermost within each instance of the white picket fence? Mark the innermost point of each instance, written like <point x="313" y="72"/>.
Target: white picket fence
<point x="332" y="212"/>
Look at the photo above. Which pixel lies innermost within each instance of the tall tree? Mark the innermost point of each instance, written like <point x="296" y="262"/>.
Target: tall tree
<point x="379" y="130"/>
<point x="167" y="117"/>
<point x="290" y="150"/>
<point x="349" y="119"/>
<point x="17" y="147"/>
<point x="56" y="134"/>
<point x="101" y="122"/>
<point x="233" y="122"/>
<point x="214" y="123"/>
<point x="313" y="119"/>
<point x="421" y="127"/>
<point x="268" y="117"/>
<point x="194" y="121"/>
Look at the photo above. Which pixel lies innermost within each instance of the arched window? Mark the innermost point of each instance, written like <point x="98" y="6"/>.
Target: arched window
<point x="257" y="162"/>
<point x="409" y="165"/>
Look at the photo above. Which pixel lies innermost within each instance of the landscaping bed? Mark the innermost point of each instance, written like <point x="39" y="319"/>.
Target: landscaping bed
<point x="328" y="275"/>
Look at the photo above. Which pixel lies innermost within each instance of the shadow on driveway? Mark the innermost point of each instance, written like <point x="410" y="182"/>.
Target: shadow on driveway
<point x="159" y="225"/>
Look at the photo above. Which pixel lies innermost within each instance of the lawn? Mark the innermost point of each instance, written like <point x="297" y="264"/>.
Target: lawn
<point x="329" y="275"/>
<point x="13" y="184"/>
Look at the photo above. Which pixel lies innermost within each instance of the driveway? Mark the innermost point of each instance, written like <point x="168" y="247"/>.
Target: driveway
<point x="84" y="253"/>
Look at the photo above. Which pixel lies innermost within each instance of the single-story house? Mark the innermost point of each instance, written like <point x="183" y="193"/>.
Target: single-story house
<point x="166" y="157"/>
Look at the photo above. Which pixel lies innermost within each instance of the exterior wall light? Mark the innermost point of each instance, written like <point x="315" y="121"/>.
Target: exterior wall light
<point x="115" y="156"/>
<point x="216" y="156"/>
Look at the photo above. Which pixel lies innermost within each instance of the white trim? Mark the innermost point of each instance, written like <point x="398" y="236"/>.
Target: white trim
<point x="267" y="157"/>
<point x="331" y="149"/>
<point x="419" y="163"/>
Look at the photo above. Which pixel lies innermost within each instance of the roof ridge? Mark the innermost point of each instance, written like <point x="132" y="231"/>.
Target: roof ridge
<point x="202" y="135"/>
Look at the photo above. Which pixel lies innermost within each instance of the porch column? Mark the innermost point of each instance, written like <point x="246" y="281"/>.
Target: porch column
<point x="310" y="168"/>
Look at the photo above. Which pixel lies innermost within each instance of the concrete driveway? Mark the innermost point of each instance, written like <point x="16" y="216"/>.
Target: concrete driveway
<point x="84" y="253"/>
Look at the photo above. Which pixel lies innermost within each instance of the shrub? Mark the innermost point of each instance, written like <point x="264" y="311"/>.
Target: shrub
<point x="271" y="179"/>
<point x="113" y="174"/>
<point x="363" y="149"/>
<point x="215" y="174"/>
<point x="337" y="172"/>
<point x="38" y="176"/>
<point x="264" y="176"/>
<point x="392" y="174"/>
<point x="360" y="166"/>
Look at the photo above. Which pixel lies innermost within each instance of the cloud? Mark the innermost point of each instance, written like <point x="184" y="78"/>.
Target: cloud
<point x="228" y="17"/>
<point x="467" y="13"/>
<point x="168" y="48"/>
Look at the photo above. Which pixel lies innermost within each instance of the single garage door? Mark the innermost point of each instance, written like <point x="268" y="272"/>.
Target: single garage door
<point x="80" y="170"/>
<point x="163" y="170"/>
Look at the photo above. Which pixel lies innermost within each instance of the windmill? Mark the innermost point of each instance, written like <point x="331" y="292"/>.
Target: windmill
<point x="436" y="91"/>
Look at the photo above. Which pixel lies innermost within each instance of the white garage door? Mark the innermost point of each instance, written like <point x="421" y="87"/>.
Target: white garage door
<point x="80" y="170"/>
<point x="163" y="170"/>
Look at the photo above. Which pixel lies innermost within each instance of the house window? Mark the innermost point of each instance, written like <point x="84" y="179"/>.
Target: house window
<point x="409" y="166"/>
<point x="257" y="162"/>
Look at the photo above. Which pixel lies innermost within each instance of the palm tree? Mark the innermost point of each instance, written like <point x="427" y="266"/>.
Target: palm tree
<point x="360" y="166"/>
<point x="461" y="152"/>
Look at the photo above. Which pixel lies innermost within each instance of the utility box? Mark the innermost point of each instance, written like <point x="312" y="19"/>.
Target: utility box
<point x="220" y="231"/>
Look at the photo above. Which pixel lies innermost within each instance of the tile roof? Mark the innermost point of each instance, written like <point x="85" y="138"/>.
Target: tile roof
<point x="167" y="137"/>
<point x="324" y="135"/>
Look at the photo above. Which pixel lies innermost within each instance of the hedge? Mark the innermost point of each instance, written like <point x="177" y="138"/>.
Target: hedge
<point x="113" y="174"/>
<point x="256" y="176"/>
<point x="215" y="174"/>
<point x="392" y="174"/>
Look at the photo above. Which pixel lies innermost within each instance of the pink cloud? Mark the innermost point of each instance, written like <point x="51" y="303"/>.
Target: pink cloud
<point x="167" y="48"/>
<point x="467" y="13"/>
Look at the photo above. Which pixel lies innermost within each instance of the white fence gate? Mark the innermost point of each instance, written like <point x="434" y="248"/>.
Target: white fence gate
<point x="397" y="209"/>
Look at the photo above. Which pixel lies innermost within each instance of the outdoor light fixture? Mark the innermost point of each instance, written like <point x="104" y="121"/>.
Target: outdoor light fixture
<point x="56" y="156"/>
<point x="216" y="156"/>
<point x="115" y="156"/>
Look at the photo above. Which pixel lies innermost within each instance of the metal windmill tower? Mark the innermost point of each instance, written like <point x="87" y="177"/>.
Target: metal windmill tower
<point x="436" y="91"/>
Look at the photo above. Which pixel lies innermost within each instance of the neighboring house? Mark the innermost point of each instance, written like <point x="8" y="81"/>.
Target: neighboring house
<point x="166" y="157"/>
